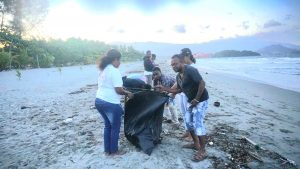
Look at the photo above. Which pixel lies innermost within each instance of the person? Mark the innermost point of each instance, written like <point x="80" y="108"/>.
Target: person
<point x="153" y="58"/>
<point x="168" y="81"/>
<point x="148" y="66"/>
<point x="108" y="99"/>
<point x="190" y="82"/>
<point x="188" y="59"/>
<point x="134" y="83"/>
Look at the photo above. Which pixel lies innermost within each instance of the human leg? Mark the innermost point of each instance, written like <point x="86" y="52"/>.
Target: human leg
<point x="101" y="107"/>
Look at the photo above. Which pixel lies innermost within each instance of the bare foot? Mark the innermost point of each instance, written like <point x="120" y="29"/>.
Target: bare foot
<point x="186" y="134"/>
<point x="118" y="153"/>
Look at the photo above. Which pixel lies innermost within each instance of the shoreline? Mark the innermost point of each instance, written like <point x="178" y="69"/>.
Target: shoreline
<point x="238" y="76"/>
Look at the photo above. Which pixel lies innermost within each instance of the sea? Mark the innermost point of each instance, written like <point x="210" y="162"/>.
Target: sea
<point x="282" y="72"/>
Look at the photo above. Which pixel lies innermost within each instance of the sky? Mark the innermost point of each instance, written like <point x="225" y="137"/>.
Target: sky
<point x="173" y="21"/>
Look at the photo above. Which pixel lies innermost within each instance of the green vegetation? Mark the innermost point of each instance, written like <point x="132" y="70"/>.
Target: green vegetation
<point x="235" y="53"/>
<point x="17" y="52"/>
<point x="40" y="53"/>
<point x="18" y="74"/>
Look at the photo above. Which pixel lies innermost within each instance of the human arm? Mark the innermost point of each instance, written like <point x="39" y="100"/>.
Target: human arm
<point x="201" y="88"/>
<point x="122" y="91"/>
<point x="174" y="89"/>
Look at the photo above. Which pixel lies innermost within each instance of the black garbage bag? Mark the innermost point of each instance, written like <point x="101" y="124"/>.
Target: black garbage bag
<point x="143" y="119"/>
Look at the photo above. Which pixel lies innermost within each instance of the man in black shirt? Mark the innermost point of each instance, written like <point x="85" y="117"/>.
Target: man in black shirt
<point x="148" y="66"/>
<point x="190" y="82"/>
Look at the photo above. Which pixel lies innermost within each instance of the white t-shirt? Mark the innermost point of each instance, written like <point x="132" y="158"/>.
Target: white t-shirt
<point x="108" y="79"/>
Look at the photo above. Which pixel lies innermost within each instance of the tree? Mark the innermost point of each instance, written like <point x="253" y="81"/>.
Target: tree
<point x="4" y="59"/>
<point x="6" y="7"/>
<point x="24" y="14"/>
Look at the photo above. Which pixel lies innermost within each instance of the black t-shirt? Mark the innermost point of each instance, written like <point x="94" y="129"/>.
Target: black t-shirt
<point x="148" y="65"/>
<point x="189" y="83"/>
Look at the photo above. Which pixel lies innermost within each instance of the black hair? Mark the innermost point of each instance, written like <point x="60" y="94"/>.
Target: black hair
<point x="156" y="69"/>
<point x="110" y="56"/>
<point x="178" y="56"/>
<point x="188" y="52"/>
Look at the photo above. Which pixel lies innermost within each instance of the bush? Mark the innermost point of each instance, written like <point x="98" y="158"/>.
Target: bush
<point x="46" y="60"/>
<point x="4" y="60"/>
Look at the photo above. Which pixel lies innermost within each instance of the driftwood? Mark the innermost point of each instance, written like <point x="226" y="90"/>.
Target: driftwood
<point x="216" y="115"/>
<point x="78" y="91"/>
<point x="253" y="143"/>
<point x="284" y="159"/>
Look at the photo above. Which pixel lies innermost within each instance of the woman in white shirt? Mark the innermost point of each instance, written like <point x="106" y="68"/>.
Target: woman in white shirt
<point x="108" y="99"/>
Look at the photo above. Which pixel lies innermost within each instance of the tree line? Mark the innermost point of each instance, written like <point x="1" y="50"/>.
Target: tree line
<point x="16" y="52"/>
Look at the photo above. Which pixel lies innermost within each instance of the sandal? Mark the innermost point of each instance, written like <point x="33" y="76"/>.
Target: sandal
<point x="199" y="157"/>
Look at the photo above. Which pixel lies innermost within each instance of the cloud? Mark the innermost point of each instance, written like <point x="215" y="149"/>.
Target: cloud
<point x="121" y="31"/>
<point x="272" y="23"/>
<point x="145" y="6"/>
<point x="291" y="36"/>
<point x="245" y="25"/>
<point x="288" y="17"/>
<point x="160" y="31"/>
<point x="180" y="28"/>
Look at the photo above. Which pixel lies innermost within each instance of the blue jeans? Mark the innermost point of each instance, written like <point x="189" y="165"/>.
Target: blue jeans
<point x="111" y="113"/>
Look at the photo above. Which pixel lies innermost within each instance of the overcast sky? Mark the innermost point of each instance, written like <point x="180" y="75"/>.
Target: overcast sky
<point x="173" y="21"/>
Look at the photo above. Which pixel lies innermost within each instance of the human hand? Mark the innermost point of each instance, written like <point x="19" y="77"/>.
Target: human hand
<point x="194" y="102"/>
<point x="130" y="95"/>
<point x="171" y="95"/>
<point x="159" y="88"/>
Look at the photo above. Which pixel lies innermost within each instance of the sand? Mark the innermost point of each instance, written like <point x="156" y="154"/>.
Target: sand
<point x="57" y="129"/>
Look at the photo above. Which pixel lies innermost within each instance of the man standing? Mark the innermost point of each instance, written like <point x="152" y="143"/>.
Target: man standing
<point x="190" y="82"/>
<point x="148" y="66"/>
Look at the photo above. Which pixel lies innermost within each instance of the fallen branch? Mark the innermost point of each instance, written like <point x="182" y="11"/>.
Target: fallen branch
<point x="216" y="115"/>
<point x="255" y="156"/>
<point x="286" y="160"/>
<point x="76" y="92"/>
<point x="253" y="143"/>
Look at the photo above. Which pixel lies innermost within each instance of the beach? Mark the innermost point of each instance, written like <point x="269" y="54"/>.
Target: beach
<point x="48" y="120"/>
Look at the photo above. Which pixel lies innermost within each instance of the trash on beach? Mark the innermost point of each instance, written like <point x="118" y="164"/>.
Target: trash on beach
<point x="25" y="107"/>
<point x="143" y="119"/>
<point x="68" y="120"/>
<point x="211" y="143"/>
<point x="255" y="156"/>
<point x="217" y="104"/>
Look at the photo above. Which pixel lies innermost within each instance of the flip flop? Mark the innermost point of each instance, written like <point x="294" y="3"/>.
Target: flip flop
<point x="199" y="157"/>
